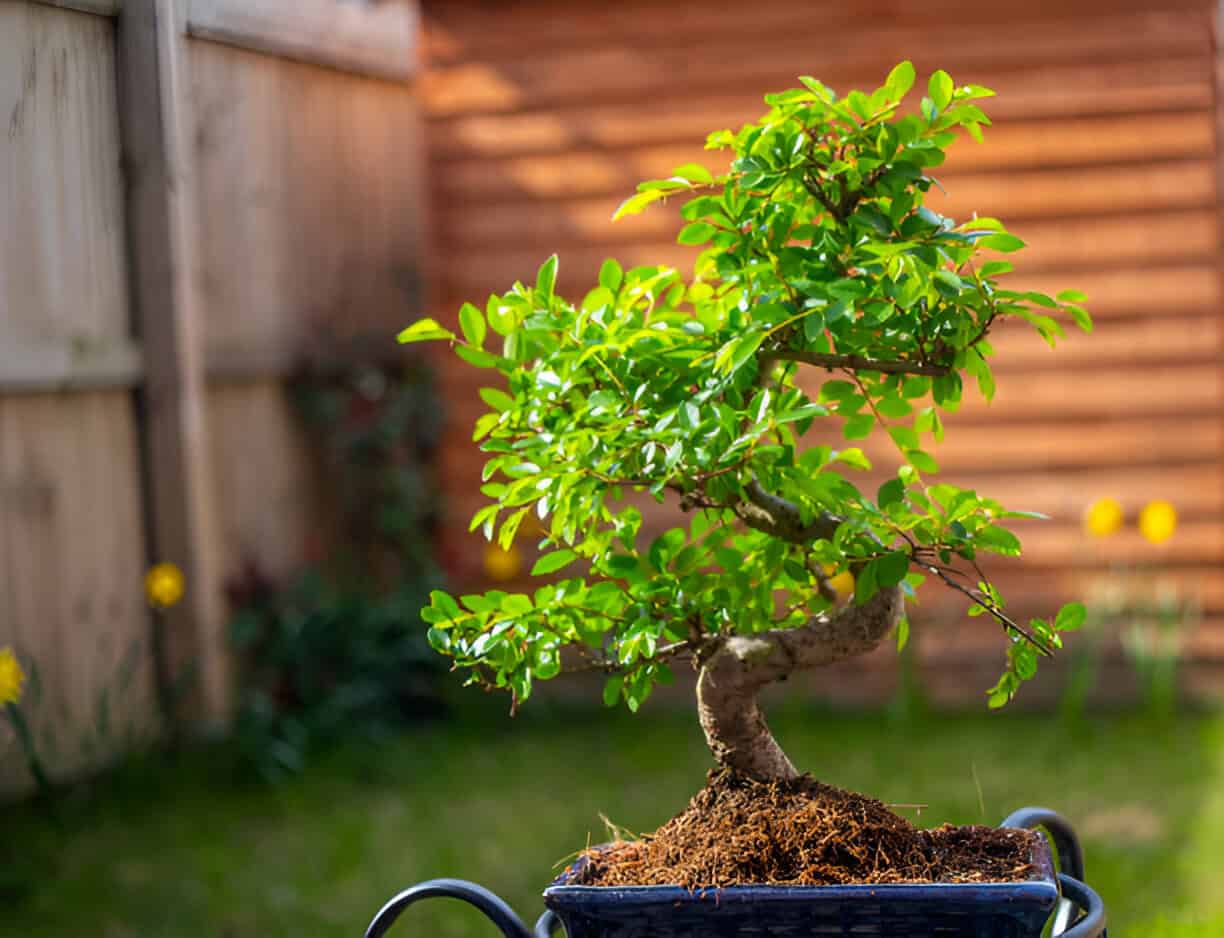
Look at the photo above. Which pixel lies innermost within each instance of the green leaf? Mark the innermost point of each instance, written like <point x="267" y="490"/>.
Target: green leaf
<point x="999" y="540"/>
<point x="699" y="232"/>
<point x="901" y="79"/>
<point x="500" y="401"/>
<point x="472" y="322"/>
<point x="903" y="633"/>
<point x="546" y="279"/>
<point x="940" y="89"/>
<point x="637" y="202"/>
<point x="1071" y="617"/>
<point x="610" y="275"/>
<point x="612" y="690"/>
<point x="501" y="316"/>
<point x="1007" y="243"/>
<point x="891" y="493"/>
<point x="478" y="357"/>
<point x="1080" y="316"/>
<point x="858" y="427"/>
<point x="922" y="461"/>
<point x="894" y="407"/>
<point x="694" y="172"/>
<point x="424" y="330"/>
<point x="551" y="563"/>
<point x="445" y="603"/>
<point x="865" y="583"/>
<point x="890" y="569"/>
<point x="853" y="457"/>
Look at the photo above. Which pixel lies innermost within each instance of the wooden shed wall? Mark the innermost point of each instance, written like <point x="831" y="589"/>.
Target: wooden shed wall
<point x="543" y="115"/>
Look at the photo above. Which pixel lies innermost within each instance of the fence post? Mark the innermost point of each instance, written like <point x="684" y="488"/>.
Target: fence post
<point x="154" y="120"/>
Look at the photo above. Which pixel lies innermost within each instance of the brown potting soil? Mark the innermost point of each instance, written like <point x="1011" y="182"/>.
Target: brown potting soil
<point x="738" y="831"/>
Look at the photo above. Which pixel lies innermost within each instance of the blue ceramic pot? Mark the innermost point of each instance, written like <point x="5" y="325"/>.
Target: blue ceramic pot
<point x="936" y="910"/>
<point x="990" y="910"/>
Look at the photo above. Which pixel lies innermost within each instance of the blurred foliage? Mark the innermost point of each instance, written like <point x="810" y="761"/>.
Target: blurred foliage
<point x="338" y="649"/>
<point x="1148" y="615"/>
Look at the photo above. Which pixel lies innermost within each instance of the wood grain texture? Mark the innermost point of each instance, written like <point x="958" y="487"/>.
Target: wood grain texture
<point x="312" y="210"/>
<point x="1103" y="157"/>
<point x="62" y="266"/>
<point x="72" y="548"/>
<point x="162" y="232"/>
<point x="270" y="518"/>
<point x="367" y="38"/>
<point x="71" y="567"/>
<point x="310" y="202"/>
<point x="98" y="7"/>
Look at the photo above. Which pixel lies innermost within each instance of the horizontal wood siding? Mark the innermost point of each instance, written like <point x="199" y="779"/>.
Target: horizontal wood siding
<point x="542" y="116"/>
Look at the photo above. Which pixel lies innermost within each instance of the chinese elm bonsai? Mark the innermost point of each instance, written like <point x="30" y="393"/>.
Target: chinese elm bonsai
<point x="819" y="258"/>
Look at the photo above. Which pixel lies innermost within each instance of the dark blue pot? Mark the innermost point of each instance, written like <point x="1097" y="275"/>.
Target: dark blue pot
<point x="936" y="910"/>
<point x="992" y="910"/>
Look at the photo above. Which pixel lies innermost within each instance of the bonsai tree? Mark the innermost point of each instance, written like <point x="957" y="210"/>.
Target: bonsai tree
<point x="828" y="304"/>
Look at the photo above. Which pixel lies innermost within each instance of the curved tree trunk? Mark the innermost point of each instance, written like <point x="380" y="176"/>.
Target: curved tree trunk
<point x="741" y="665"/>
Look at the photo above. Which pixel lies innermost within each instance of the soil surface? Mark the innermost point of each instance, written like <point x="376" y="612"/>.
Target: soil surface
<point x="738" y="831"/>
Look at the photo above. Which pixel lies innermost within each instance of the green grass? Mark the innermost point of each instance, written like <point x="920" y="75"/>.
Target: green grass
<point x="180" y="851"/>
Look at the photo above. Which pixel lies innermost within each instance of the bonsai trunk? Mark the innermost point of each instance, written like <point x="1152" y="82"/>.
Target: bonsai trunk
<point x="733" y="674"/>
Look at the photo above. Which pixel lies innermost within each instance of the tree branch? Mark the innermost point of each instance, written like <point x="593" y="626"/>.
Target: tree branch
<point x="777" y="517"/>
<point x="740" y="665"/>
<point x="859" y="363"/>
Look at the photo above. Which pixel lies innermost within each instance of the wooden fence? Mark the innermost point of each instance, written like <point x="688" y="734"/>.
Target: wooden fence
<point x="542" y="116"/>
<point x="193" y="195"/>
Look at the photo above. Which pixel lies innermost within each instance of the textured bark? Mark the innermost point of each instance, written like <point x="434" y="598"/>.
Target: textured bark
<point x="733" y="674"/>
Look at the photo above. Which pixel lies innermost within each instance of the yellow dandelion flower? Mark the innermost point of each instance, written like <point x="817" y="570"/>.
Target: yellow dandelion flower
<point x="164" y="585"/>
<point x="11" y="677"/>
<point x="1158" y="521"/>
<point x="1103" y="517"/>
<point x="501" y="565"/>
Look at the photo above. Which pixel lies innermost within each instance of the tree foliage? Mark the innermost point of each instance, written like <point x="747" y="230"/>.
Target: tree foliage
<point x="817" y="252"/>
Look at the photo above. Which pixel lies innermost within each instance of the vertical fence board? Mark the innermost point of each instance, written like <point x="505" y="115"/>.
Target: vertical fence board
<point x="160" y="206"/>
<point x="71" y="537"/>
<point x="310" y="209"/>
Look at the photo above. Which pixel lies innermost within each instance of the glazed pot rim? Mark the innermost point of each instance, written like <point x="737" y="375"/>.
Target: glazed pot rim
<point x="1038" y="885"/>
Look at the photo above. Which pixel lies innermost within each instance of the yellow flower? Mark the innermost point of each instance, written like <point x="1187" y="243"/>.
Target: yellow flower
<point x="11" y="677"/>
<point x="1158" y="521"/>
<point x="164" y="585"/>
<point x="843" y="583"/>
<point x="1103" y="517"/>
<point x="502" y="565"/>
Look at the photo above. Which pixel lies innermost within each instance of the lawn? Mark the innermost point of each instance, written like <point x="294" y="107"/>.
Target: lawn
<point x="180" y="851"/>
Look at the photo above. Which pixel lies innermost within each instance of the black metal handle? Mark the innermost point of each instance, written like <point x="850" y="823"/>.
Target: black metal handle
<point x="1091" y="923"/>
<point x="547" y="924"/>
<point x="497" y="911"/>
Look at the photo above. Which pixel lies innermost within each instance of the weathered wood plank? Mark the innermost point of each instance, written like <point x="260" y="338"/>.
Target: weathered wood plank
<point x="311" y="201"/>
<point x="62" y="269"/>
<point x="860" y="56"/>
<point x="71" y="564"/>
<point x="263" y="473"/>
<point x="584" y="169"/>
<point x="99" y="7"/>
<point x="367" y="38"/>
<point x="543" y="26"/>
<point x="1175" y="96"/>
<point x="158" y="154"/>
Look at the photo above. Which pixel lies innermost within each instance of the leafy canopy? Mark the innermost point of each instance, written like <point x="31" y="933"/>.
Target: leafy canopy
<point x="817" y="252"/>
